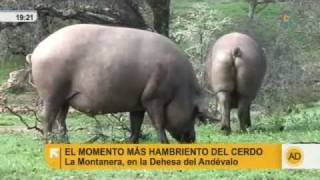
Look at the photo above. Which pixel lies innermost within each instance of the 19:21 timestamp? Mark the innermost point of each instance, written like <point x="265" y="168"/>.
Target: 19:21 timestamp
<point x="25" y="17"/>
<point x="18" y="15"/>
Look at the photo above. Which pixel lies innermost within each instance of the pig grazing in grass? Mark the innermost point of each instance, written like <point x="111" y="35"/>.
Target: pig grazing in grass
<point x="235" y="67"/>
<point x="102" y="69"/>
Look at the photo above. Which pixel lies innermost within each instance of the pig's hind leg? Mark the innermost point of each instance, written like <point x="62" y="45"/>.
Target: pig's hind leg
<point x="61" y="121"/>
<point x="155" y="109"/>
<point x="224" y="99"/>
<point x="244" y="113"/>
<point x="49" y="114"/>
<point x="136" y="119"/>
<point x="54" y="113"/>
<point x="154" y="99"/>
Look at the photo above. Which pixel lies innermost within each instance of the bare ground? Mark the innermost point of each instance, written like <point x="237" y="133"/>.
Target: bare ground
<point x="16" y="129"/>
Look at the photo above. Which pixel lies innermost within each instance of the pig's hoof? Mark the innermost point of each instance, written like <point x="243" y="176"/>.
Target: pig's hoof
<point x="64" y="139"/>
<point x="48" y="139"/>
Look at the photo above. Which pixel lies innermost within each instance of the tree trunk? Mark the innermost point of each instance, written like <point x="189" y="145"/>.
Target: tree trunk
<point x="62" y="13"/>
<point x="42" y="27"/>
<point x="161" y="14"/>
<point x="252" y="8"/>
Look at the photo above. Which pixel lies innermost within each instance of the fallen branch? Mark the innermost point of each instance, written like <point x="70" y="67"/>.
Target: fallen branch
<point x="96" y="138"/>
<point x="23" y="121"/>
<point x="99" y="133"/>
<point x="121" y="123"/>
<point x="93" y="15"/>
<point x="34" y="113"/>
<point x="100" y="16"/>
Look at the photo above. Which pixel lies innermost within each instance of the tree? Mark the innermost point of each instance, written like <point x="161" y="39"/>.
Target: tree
<point x="161" y="14"/>
<point x="253" y="4"/>
<point x="52" y="16"/>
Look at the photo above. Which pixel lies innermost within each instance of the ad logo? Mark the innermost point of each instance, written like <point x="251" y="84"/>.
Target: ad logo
<point x="294" y="156"/>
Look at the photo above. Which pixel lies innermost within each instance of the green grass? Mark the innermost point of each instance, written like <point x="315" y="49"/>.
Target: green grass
<point x="231" y="8"/>
<point x="22" y="153"/>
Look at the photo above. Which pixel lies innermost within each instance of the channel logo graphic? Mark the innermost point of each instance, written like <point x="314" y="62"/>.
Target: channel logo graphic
<point x="53" y="156"/>
<point x="54" y="152"/>
<point x="300" y="156"/>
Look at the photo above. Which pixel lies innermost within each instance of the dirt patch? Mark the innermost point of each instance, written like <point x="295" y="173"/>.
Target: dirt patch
<point x="19" y="103"/>
<point x="23" y="99"/>
<point x="16" y="129"/>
